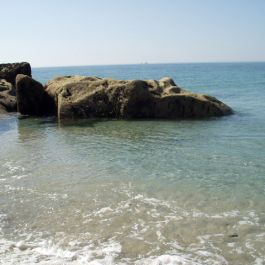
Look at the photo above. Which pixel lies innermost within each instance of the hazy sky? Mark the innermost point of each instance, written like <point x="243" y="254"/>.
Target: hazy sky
<point x="87" y="32"/>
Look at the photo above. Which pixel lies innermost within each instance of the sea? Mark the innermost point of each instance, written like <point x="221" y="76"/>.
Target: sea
<point x="143" y="192"/>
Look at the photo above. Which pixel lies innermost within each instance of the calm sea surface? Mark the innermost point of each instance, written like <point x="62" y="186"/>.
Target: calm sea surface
<point x="139" y="192"/>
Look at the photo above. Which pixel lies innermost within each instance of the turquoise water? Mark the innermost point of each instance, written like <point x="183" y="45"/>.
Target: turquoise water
<point x="139" y="192"/>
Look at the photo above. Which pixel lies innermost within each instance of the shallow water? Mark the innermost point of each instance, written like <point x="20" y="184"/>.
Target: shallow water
<point x="139" y="192"/>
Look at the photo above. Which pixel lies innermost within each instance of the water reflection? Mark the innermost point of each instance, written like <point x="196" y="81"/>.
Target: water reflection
<point x="7" y="122"/>
<point x="34" y="129"/>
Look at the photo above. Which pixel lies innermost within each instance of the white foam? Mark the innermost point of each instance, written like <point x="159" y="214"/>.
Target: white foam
<point x="13" y="171"/>
<point x="30" y="251"/>
<point x="46" y="252"/>
<point x="19" y="176"/>
<point x="168" y="260"/>
<point x="11" y="168"/>
<point x="259" y="261"/>
<point x="103" y="210"/>
<point x="261" y="235"/>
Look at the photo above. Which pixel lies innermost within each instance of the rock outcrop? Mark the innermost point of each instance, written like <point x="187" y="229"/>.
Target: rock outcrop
<point x="32" y="99"/>
<point x="93" y="97"/>
<point x="9" y="71"/>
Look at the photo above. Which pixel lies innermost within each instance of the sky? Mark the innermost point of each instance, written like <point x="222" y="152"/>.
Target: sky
<point x="99" y="32"/>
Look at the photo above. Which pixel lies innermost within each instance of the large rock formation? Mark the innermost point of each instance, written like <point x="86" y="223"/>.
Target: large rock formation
<point x="93" y="97"/>
<point x="9" y="71"/>
<point x="89" y="97"/>
<point x="32" y="99"/>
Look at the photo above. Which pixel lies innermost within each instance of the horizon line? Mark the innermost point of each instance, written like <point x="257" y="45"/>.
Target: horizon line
<point x="147" y="63"/>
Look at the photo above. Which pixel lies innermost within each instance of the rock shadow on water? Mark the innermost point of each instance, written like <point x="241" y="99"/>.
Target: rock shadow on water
<point x="31" y="129"/>
<point x="80" y="122"/>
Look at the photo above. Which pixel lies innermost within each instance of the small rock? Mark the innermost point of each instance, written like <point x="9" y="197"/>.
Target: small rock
<point x="233" y="235"/>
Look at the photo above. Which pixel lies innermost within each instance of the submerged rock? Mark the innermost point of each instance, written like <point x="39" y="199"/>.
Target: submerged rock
<point x="233" y="235"/>
<point x="93" y="97"/>
<point x="32" y="99"/>
<point x="9" y="71"/>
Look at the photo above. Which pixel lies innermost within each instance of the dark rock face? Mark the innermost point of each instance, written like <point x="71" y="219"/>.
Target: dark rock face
<point x="11" y="70"/>
<point x="92" y="97"/>
<point x="32" y="99"/>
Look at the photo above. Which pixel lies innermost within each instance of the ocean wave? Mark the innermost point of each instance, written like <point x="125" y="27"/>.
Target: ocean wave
<point x="46" y="252"/>
<point x="132" y="228"/>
